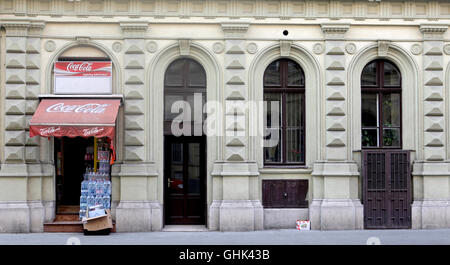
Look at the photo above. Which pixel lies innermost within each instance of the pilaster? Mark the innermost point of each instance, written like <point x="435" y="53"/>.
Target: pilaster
<point x="335" y="204"/>
<point x="134" y="89"/>
<point x="238" y="208"/>
<point x="431" y="207"/>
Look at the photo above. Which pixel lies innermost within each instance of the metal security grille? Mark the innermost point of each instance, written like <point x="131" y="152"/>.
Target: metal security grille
<point x="387" y="188"/>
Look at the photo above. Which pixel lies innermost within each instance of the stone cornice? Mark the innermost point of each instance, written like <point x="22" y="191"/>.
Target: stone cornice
<point x="134" y="29"/>
<point x="36" y="28"/>
<point x="334" y="31"/>
<point x="16" y="28"/>
<point x="235" y="30"/>
<point x="433" y="31"/>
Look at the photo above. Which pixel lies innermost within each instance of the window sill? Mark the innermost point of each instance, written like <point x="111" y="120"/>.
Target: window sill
<point x="302" y="169"/>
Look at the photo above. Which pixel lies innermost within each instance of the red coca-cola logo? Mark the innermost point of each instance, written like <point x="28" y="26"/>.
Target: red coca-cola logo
<point x="79" y="67"/>
<point x="86" y="108"/>
<point x="92" y="131"/>
<point x="49" y="130"/>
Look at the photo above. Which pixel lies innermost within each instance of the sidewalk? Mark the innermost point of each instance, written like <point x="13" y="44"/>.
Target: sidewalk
<point x="265" y="237"/>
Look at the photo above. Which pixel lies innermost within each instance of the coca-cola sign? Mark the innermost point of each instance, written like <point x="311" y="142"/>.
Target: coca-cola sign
<point x="86" y="108"/>
<point x="92" y="131"/>
<point x="79" y="67"/>
<point x="49" y="130"/>
<point x="83" y="77"/>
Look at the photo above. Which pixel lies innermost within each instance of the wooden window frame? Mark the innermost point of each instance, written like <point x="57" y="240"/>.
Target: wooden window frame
<point x="183" y="90"/>
<point x="380" y="90"/>
<point x="284" y="88"/>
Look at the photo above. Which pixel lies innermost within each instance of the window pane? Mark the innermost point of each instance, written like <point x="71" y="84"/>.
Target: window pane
<point x="194" y="168"/>
<point x="369" y="137"/>
<point x="196" y="74"/>
<point x="176" y="170"/>
<point x="294" y="145"/>
<point x="272" y="74"/>
<point x="369" y="110"/>
<point x="391" y="110"/>
<point x="174" y="74"/>
<point x="272" y="154"/>
<point x="369" y="75"/>
<point x="391" y="75"/>
<point x="168" y="101"/>
<point x="190" y="99"/>
<point x="295" y="75"/>
<point x="294" y="103"/>
<point x="271" y="109"/>
<point x="391" y="137"/>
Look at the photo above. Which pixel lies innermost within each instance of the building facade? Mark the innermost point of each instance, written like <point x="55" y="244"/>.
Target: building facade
<point x="363" y="87"/>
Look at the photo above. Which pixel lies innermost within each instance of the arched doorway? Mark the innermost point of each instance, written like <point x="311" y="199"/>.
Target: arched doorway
<point x="184" y="143"/>
<point x="386" y="167"/>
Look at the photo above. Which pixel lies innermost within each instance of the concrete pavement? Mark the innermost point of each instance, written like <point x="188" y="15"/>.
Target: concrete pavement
<point x="266" y="237"/>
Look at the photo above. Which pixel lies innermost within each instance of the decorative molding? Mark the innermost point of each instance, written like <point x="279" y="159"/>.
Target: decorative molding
<point x="252" y="48"/>
<point x="117" y="46"/>
<point x="433" y="31"/>
<point x="185" y="46"/>
<point x="334" y="31"/>
<point x="218" y="47"/>
<point x="235" y="30"/>
<point x="350" y="48"/>
<point x="134" y="30"/>
<point x="83" y="39"/>
<point x="50" y="46"/>
<point x="447" y="49"/>
<point x="285" y="47"/>
<point x="16" y="28"/>
<point x="416" y="49"/>
<point x="152" y="46"/>
<point x="258" y="9"/>
<point x="383" y="46"/>
<point x="36" y="28"/>
<point x="318" y="48"/>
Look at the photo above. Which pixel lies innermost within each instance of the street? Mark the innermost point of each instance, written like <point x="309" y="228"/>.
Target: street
<point x="265" y="237"/>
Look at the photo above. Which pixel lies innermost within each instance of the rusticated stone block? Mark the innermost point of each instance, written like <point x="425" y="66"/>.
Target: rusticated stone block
<point x="31" y="106"/>
<point x="14" y="153"/>
<point x="15" y="76"/>
<point x="434" y="139"/>
<point x="15" y="60"/>
<point x="134" y="106"/>
<point x="33" y="45"/>
<point x="434" y="124"/>
<point x="15" y="91"/>
<point x="14" y="138"/>
<point x="134" y="153"/>
<point x="33" y="76"/>
<point x="32" y="91"/>
<point x="434" y="108"/>
<point x="134" y="137"/>
<point x="134" y="77"/>
<point x="134" y="91"/>
<point x="434" y="153"/>
<point x="336" y="123"/>
<point x="15" y="106"/>
<point x="134" y="46"/>
<point x="134" y="61"/>
<point x="14" y="122"/>
<point x="235" y="153"/>
<point x="134" y="122"/>
<point x="33" y="61"/>
<point x="236" y="141"/>
<point x="16" y="44"/>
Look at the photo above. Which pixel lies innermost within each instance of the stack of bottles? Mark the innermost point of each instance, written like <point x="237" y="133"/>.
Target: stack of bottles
<point x="95" y="189"/>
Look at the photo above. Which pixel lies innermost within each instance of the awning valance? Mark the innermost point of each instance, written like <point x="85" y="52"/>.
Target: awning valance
<point x="75" y="117"/>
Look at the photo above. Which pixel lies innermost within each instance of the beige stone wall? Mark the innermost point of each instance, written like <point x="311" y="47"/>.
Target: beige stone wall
<point x="331" y="40"/>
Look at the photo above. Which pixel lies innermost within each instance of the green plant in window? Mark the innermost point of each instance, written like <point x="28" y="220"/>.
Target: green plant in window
<point x="367" y="139"/>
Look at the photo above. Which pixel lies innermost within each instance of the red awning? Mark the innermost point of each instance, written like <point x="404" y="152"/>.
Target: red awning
<point x="75" y="117"/>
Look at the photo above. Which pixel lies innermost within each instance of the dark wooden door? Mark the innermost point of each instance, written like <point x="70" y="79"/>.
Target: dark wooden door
<point x="185" y="174"/>
<point x="386" y="189"/>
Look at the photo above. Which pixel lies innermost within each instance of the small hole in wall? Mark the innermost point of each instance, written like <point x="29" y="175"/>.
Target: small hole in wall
<point x="285" y="32"/>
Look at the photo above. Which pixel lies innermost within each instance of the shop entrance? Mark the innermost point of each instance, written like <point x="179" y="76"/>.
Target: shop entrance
<point x="184" y="178"/>
<point x="70" y="154"/>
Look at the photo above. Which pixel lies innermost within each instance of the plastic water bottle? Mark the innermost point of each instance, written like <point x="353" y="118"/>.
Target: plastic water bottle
<point x="107" y="202"/>
<point x="98" y="200"/>
<point x="90" y="200"/>
<point x="107" y="185"/>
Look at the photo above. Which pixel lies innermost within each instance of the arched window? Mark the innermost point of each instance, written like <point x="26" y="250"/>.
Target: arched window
<point x="381" y="105"/>
<point x="284" y="82"/>
<point x="184" y="78"/>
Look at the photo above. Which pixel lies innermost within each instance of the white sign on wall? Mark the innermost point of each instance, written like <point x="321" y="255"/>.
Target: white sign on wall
<point x="77" y="77"/>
